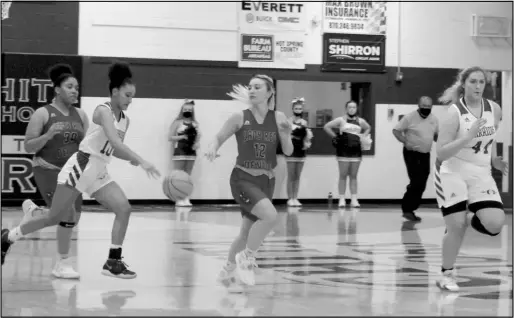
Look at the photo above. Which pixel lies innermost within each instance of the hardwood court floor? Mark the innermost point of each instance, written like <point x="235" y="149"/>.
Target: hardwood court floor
<point x="317" y="262"/>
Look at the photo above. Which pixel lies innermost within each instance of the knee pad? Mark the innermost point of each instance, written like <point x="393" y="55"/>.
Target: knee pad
<point x="68" y="225"/>
<point x="479" y="227"/>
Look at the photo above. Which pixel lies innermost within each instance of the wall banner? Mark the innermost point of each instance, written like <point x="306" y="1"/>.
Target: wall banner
<point x="274" y="50"/>
<point x="354" y="17"/>
<point x="25" y="87"/>
<point x="353" y="53"/>
<point x="272" y="16"/>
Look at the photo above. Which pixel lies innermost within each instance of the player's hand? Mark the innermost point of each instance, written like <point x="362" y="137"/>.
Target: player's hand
<point x="475" y="127"/>
<point x="150" y="169"/>
<point x="55" y="129"/>
<point x="195" y="146"/>
<point x="500" y="164"/>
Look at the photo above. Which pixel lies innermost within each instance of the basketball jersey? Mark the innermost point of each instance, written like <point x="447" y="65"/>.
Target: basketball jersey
<point x="348" y="132"/>
<point x="478" y="150"/>
<point x="257" y="143"/>
<point x="96" y="143"/>
<point x="58" y="149"/>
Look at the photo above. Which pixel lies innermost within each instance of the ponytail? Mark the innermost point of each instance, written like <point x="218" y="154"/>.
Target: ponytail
<point x="452" y="94"/>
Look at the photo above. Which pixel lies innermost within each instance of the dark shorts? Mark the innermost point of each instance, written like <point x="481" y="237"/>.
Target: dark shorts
<point x="46" y="181"/>
<point x="247" y="190"/>
<point x="349" y="152"/>
<point x="298" y="151"/>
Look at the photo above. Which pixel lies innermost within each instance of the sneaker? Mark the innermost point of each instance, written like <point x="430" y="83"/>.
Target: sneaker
<point x="355" y="203"/>
<point x="228" y="278"/>
<point x="410" y="216"/>
<point x="117" y="268"/>
<point x="245" y="268"/>
<point x="342" y="202"/>
<point x="291" y="202"/>
<point x="64" y="269"/>
<point x="181" y="203"/>
<point x="297" y="203"/>
<point x="6" y="244"/>
<point x="447" y="281"/>
<point x="30" y="209"/>
<point x="187" y="202"/>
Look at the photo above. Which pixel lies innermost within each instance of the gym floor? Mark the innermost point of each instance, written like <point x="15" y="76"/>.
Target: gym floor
<point x="316" y="262"/>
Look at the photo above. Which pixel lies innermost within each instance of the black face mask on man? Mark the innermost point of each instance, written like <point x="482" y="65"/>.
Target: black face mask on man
<point x="298" y="113"/>
<point x="187" y="114"/>
<point x="424" y="112"/>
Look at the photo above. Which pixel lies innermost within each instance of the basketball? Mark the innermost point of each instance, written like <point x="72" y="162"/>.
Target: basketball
<point x="177" y="185"/>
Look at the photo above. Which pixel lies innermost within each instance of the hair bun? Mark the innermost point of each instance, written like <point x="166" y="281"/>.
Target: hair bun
<point x="119" y="71"/>
<point x="57" y="70"/>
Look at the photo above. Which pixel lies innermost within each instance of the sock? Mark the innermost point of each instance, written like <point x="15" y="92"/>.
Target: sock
<point x="14" y="234"/>
<point x="445" y="269"/>
<point x="341" y="197"/>
<point x="249" y="253"/>
<point x="115" y="253"/>
<point x="354" y="197"/>
<point x="114" y="246"/>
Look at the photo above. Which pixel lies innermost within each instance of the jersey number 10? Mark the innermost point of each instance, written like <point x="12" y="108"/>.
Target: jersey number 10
<point x="478" y="144"/>
<point x="107" y="149"/>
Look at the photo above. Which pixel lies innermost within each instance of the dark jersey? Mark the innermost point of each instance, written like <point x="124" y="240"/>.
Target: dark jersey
<point x="58" y="149"/>
<point x="257" y="143"/>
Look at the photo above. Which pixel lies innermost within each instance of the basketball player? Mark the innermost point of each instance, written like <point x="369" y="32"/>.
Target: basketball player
<point x="86" y="171"/>
<point x="466" y="149"/>
<point x="301" y="139"/>
<point x="54" y="133"/>
<point x="184" y="136"/>
<point x="348" y="149"/>
<point x="258" y="130"/>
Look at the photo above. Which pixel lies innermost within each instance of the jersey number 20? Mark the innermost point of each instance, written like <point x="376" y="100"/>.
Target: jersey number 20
<point x="107" y="149"/>
<point x="478" y="144"/>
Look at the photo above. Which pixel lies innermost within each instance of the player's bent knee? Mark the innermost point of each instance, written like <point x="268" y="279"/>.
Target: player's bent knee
<point x="68" y="225"/>
<point x="265" y="210"/>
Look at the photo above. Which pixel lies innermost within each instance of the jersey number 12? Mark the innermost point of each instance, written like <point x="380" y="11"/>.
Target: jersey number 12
<point x="478" y="144"/>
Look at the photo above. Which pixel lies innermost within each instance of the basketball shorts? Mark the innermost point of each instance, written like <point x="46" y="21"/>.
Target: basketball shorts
<point x="457" y="180"/>
<point x="46" y="181"/>
<point x="247" y="190"/>
<point x="85" y="173"/>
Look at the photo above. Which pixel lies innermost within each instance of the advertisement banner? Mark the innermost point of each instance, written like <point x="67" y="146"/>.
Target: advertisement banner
<point x="353" y="53"/>
<point x="262" y="16"/>
<point x="274" y="50"/>
<point x="25" y="87"/>
<point x="354" y="17"/>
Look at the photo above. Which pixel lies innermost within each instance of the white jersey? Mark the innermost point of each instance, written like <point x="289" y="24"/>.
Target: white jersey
<point x="96" y="143"/>
<point x="478" y="150"/>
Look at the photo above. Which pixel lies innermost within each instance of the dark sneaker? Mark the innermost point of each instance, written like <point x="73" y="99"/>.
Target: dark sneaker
<point x="117" y="268"/>
<point x="410" y="216"/>
<point x="6" y="244"/>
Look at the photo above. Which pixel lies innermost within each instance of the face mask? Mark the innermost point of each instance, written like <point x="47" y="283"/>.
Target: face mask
<point x="424" y="112"/>
<point x="187" y="114"/>
<point x="352" y="116"/>
<point x="298" y="114"/>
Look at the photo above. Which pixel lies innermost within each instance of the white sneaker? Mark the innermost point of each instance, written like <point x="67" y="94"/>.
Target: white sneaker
<point x="30" y="209"/>
<point x="180" y="203"/>
<point x="447" y="281"/>
<point x="245" y="268"/>
<point x="342" y="202"/>
<point x="291" y="202"/>
<point x="187" y="202"/>
<point x="297" y="203"/>
<point x="229" y="279"/>
<point x="355" y="203"/>
<point x="64" y="269"/>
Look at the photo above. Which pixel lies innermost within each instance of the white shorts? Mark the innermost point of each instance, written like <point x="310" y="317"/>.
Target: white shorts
<point x="84" y="173"/>
<point x="456" y="180"/>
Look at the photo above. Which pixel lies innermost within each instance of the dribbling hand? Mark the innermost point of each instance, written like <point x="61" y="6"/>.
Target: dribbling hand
<point x="150" y="169"/>
<point x="500" y="164"/>
<point x="475" y="127"/>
